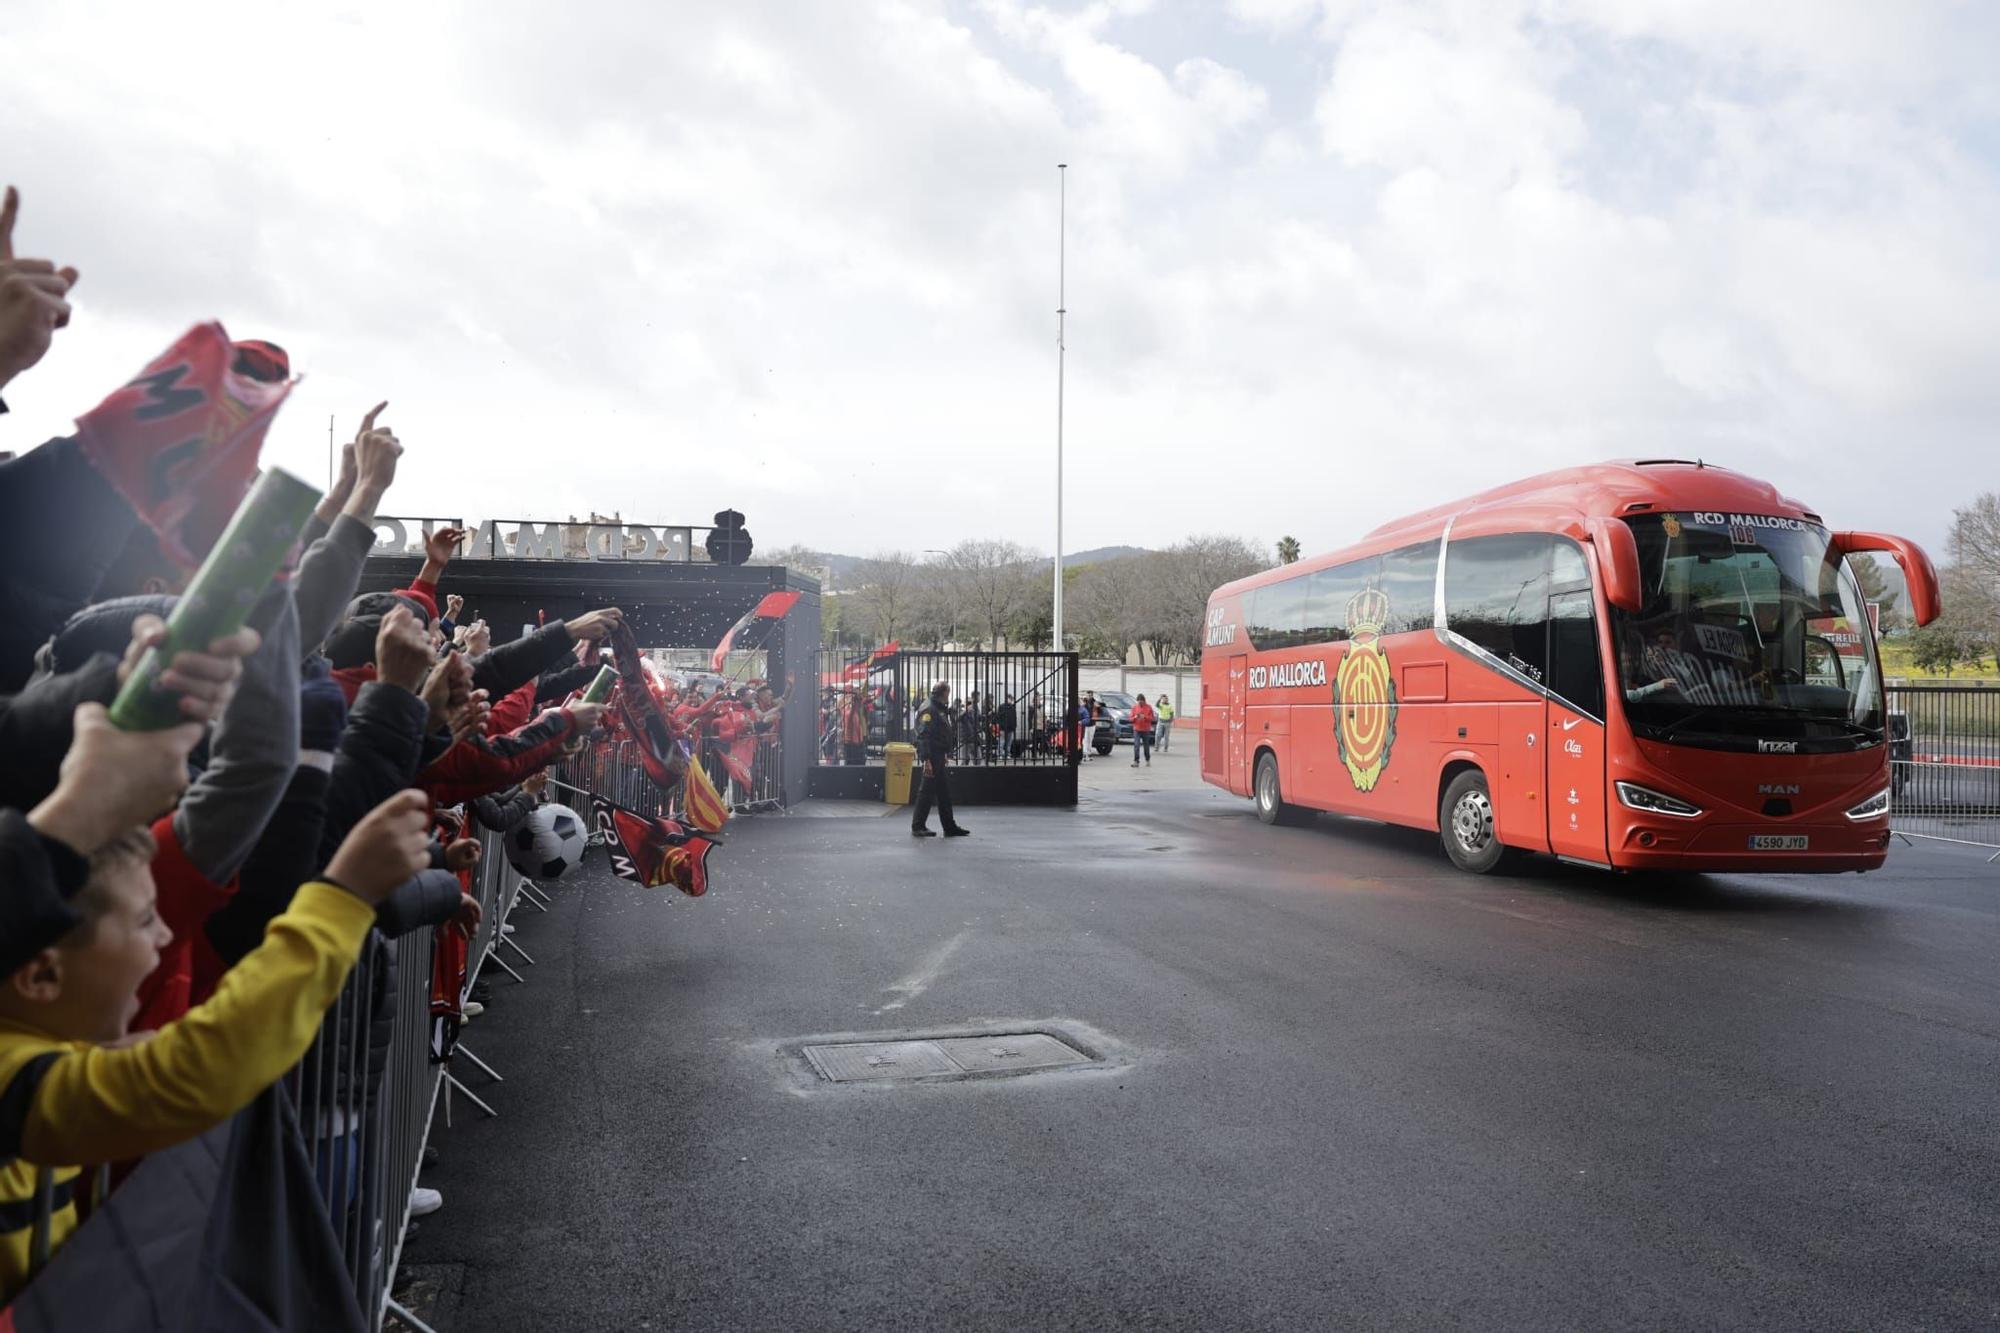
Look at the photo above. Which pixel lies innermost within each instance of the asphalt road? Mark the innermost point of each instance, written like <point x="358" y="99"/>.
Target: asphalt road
<point x="1347" y="1087"/>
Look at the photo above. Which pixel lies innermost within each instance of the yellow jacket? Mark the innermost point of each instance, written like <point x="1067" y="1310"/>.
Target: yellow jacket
<point x="98" y="1105"/>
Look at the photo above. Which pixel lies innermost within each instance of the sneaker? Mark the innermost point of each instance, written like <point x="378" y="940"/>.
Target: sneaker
<point x="956" y="832"/>
<point x="424" y="1202"/>
<point x="920" y="832"/>
<point x="506" y="927"/>
<point x="472" y="1009"/>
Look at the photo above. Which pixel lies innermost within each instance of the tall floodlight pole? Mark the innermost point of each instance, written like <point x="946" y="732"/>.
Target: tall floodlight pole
<point x="1062" y="233"/>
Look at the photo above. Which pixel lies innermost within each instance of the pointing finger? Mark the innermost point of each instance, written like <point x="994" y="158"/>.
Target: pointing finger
<point x="368" y="422"/>
<point x="9" y="210"/>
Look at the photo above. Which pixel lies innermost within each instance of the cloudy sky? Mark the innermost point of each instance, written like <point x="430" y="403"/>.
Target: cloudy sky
<point x="1329" y="260"/>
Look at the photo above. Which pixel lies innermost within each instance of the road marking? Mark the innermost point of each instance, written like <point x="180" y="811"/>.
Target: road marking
<point x="910" y="987"/>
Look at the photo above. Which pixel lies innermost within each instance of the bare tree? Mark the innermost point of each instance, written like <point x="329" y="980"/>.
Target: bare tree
<point x="1190" y="571"/>
<point x="1115" y="604"/>
<point x="1975" y="556"/>
<point x="991" y="580"/>
<point x="885" y="596"/>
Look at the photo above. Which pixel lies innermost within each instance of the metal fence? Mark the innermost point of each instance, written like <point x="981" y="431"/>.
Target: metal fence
<point x="1944" y="750"/>
<point x="1008" y="709"/>
<point x="750" y="777"/>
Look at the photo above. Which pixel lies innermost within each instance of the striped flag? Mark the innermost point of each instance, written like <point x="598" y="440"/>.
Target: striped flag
<point x="701" y="802"/>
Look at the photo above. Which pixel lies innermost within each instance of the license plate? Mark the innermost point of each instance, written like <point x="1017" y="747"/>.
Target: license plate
<point x="1778" y="842"/>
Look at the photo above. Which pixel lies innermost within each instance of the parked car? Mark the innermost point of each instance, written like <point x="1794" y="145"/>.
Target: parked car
<point x="1118" y="707"/>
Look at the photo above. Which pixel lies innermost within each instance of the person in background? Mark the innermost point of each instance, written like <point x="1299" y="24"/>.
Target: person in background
<point x="1006" y="717"/>
<point x="968" y="729"/>
<point x="1164" y="732"/>
<point x="1086" y="713"/>
<point x="853" y="727"/>
<point x="1142" y="732"/>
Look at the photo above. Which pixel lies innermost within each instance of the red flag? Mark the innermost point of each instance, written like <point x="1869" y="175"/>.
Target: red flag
<point x="773" y="608"/>
<point x="180" y="441"/>
<point x="654" y="734"/>
<point x="654" y="851"/>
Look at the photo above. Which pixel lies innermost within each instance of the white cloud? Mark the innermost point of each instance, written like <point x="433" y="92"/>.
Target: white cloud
<point x="1326" y="260"/>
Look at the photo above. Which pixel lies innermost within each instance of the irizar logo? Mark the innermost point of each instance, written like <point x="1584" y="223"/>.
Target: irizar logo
<point x="1777" y="789"/>
<point x="1777" y="747"/>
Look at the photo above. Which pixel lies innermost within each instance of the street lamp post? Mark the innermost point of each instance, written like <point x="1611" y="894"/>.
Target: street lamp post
<point x="1062" y="236"/>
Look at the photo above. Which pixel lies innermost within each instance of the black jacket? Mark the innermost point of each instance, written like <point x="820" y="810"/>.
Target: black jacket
<point x="377" y="758"/>
<point x="35" y="728"/>
<point x="935" y="737"/>
<point x="508" y="667"/>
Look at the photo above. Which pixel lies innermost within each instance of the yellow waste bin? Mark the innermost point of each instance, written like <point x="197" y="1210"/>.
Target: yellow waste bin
<point x="899" y="761"/>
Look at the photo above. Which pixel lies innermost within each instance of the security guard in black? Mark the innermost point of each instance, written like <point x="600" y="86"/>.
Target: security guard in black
<point x="934" y="742"/>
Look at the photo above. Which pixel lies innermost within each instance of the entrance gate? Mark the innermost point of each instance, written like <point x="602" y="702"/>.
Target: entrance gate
<point x="1034" y="763"/>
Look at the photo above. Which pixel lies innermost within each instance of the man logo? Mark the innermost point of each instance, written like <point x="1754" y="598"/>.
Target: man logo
<point x="1364" y="692"/>
<point x="1777" y="789"/>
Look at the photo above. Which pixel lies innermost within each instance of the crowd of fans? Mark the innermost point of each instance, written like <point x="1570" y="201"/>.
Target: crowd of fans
<point x="179" y="907"/>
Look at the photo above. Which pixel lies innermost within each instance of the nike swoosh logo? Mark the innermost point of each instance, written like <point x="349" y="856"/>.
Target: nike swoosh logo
<point x="1570" y="722"/>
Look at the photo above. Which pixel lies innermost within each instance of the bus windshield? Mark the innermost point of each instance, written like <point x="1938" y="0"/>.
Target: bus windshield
<point x="1752" y="632"/>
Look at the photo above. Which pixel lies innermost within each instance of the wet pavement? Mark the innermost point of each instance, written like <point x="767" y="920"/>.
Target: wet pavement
<point x="1338" y="1084"/>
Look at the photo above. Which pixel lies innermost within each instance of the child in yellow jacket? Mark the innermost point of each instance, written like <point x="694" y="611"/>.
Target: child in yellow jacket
<point x="74" y="1090"/>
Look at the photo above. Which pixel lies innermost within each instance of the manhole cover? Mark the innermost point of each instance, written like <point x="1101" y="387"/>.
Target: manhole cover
<point x="1031" y="1050"/>
<point x="854" y="1062"/>
<point x="851" y="1062"/>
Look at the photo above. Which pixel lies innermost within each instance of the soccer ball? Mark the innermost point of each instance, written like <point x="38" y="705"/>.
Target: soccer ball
<point x="547" y="843"/>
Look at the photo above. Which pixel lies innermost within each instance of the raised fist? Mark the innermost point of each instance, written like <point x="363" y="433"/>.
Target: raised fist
<point x="33" y="298"/>
<point x="388" y="846"/>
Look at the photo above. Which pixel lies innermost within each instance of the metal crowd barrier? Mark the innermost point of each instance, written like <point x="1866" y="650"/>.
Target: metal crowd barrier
<point x="1944" y="748"/>
<point x="367" y="1106"/>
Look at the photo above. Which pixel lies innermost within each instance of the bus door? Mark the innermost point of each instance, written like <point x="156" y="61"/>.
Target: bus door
<point x="1574" y="746"/>
<point x="1236" y="745"/>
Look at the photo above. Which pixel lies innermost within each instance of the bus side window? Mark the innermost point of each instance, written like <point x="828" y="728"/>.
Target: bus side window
<point x="1334" y="590"/>
<point x="1409" y="576"/>
<point x="1496" y="592"/>
<point x="1575" y="673"/>
<point x="1278" y="615"/>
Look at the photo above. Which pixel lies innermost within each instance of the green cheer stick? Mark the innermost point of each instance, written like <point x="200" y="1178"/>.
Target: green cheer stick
<point x="600" y="689"/>
<point x="218" y="600"/>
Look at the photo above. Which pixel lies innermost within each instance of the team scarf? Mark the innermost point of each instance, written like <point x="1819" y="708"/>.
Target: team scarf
<point x="180" y="441"/>
<point x="653" y="850"/>
<point x="639" y="711"/>
<point x="768" y="612"/>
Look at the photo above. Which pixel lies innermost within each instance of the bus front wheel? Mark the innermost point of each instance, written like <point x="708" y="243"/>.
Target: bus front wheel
<point x="1269" y="798"/>
<point x="1465" y="824"/>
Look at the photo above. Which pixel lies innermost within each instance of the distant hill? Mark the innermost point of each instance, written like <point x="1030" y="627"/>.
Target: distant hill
<point x="1100" y="553"/>
<point x="842" y="567"/>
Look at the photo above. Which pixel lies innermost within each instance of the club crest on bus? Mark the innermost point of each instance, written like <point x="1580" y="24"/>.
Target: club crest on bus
<point x="1364" y="692"/>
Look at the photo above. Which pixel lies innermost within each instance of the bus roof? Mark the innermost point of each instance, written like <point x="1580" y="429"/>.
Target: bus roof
<point x="1563" y="501"/>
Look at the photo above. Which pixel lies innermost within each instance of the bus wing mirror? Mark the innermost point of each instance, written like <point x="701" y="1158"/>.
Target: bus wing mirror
<point x="1926" y="601"/>
<point x="1617" y="563"/>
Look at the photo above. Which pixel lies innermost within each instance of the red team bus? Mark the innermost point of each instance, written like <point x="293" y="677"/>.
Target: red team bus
<point x="1634" y="665"/>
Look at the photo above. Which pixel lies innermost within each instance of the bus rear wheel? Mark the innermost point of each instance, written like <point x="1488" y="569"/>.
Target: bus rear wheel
<point x="1465" y="824"/>
<point x="1269" y="798"/>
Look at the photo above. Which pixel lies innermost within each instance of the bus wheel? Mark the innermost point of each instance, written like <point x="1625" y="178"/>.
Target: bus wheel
<point x="1271" y="807"/>
<point x="1465" y="824"/>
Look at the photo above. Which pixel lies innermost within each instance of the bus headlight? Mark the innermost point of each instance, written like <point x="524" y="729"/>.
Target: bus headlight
<point x="1873" y="808"/>
<point x="1653" y="802"/>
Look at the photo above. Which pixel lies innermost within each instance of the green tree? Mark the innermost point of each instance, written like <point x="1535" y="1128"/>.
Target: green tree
<point x="1288" y="550"/>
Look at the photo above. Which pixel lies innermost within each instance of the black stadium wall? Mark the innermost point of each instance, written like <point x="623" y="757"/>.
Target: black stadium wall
<point x="667" y="604"/>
